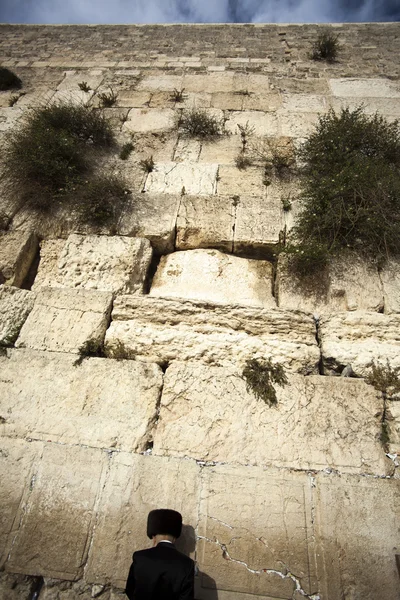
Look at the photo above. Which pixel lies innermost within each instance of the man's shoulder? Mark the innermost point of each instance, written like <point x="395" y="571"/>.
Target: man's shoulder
<point x="157" y="550"/>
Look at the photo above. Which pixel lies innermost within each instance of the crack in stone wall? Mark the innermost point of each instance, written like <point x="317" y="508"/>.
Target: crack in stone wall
<point x="280" y="574"/>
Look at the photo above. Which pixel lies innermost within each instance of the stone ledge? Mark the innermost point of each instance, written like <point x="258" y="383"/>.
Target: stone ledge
<point x="161" y="330"/>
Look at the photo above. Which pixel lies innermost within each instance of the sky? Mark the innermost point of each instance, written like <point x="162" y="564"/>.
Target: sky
<point x="197" y="11"/>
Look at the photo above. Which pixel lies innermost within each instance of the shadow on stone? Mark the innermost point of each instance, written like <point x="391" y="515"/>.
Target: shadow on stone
<point x="205" y="586"/>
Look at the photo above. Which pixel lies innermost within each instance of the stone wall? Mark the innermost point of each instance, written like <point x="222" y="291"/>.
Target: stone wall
<point x="122" y="351"/>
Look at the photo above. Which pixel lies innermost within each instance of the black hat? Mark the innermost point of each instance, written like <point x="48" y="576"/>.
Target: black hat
<point x="165" y="521"/>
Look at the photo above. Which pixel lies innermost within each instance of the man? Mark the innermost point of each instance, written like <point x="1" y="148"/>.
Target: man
<point x="161" y="572"/>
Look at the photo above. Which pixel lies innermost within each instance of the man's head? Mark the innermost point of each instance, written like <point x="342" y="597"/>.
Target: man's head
<point x="164" y="524"/>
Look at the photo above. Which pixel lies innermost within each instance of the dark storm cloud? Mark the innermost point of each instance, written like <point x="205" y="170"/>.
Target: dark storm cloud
<point x="198" y="11"/>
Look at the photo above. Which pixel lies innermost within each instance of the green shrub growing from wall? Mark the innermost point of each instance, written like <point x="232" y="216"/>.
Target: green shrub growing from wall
<point x="350" y="177"/>
<point x="326" y="47"/>
<point x="51" y="159"/>
<point x="9" y="80"/>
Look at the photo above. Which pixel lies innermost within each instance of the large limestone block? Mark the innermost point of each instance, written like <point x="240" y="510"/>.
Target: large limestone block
<point x="72" y="79"/>
<point x="387" y="107"/>
<point x="259" y="100"/>
<point x="182" y="178"/>
<point x="134" y="486"/>
<point x="350" y="283"/>
<point x="57" y="517"/>
<point x="160" y="82"/>
<point x="17" y="252"/>
<point x="16" y="463"/>
<point x="304" y="103"/>
<point x="357" y="534"/>
<point x="390" y="276"/>
<point x="15" y="306"/>
<point x="187" y="150"/>
<point x="358" y="338"/>
<point x="208" y="413"/>
<point x="152" y="216"/>
<point x="144" y="120"/>
<point x="364" y="88"/>
<point x="160" y="330"/>
<point x="50" y="251"/>
<point x="222" y="151"/>
<point x="67" y="320"/>
<point x="115" y="264"/>
<point x="255" y="533"/>
<point x="235" y="182"/>
<point x="261" y="123"/>
<point x="212" y="82"/>
<point x="100" y="402"/>
<point x="213" y="276"/>
<point x="296" y="125"/>
<point x="205" y="222"/>
<point x="259" y="222"/>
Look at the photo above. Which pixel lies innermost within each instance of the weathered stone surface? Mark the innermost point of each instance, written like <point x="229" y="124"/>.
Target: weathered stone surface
<point x="357" y="526"/>
<point x="108" y="263"/>
<point x="135" y="485"/>
<point x="9" y="117"/>
<point x="79" y="403"/>
<point x="262" y="123"/>
<point x="187" y="150"/>
<point x="160" y="330"/>
<point x="388" y="107"/>
<point x="50" y="251"/>
<point x="358" y="338"/>
<point x="222" y="151"/>
<point x="162" y="81"/>
<point x="205" y="222"/>
<point x="66" y="320"/>
<point x="235" y="182"/>
<point x="390" y="276"/>
<point x="55" y="589"/>
<point x="213" y="276"/>
<point x="133" y="99"/>
<point x="56" y="518"/>
<point x="350" y="283"/>
<point x="304" y="103"/>
<point x="212" y="82"/>
<point x="15" y="306"/>
<point x="40" y="97"/>
<point x="393" y="423"/>
<point x="152" y="216"/>
<point x="208" y="413"/>
<point x="258" y="100"/>
<point x="259" y="221"/>
<point x="365" y="88"/>
<point x="143" y="120"/>
<point x="72" y="79"/>
<point x="296" y="125"/>
<point x="17" y="252"/>
<point x="182" y="178"/>
<point x="255" y="531"/>
<point x="16" y="462"/>
<point x="72" y="96"/>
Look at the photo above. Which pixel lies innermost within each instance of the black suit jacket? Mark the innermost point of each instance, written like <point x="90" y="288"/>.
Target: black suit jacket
<point x="160" y="573"/>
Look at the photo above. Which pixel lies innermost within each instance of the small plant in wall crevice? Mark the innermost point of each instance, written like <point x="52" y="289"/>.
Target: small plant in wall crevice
<point x="385" y="379"/>
<point x="9" y="80"/>
<point x="261" y="375"/>
<point x="198" y="123"/>
<point x="147" y="164"/>
<point x="326" y="47"/>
